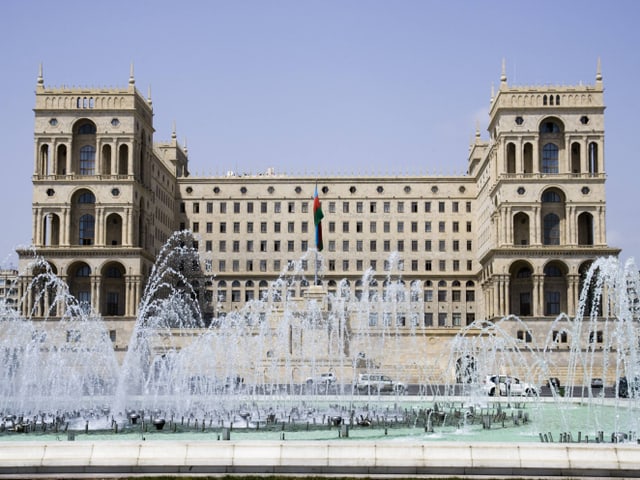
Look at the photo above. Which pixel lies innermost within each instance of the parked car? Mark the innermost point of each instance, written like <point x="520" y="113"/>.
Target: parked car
<point x="378" y="383"/>
<point x="596" y="382"/>
<point x="506" y="385"/>
<point x="326" y="379"/>
<point x="553" y="382"/>
<point x="628" y="388"/>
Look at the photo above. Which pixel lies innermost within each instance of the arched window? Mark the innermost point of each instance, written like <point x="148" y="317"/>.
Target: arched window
<point x="87" y="160"/>
<point x="87" y="197"/>
<point x="551" y="229"/>
<point x="86" y="228"/>
<point x="551" y="196"/>
<point x="550" y="158"/>
<point x="83" y="271"/>
<point x="87" y="129"/>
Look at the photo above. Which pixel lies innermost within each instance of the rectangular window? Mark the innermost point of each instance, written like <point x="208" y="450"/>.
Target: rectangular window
<point x="332" y="245"/>
<point x="276" y="245"/>
<point x="290" y="227"/>
<point x="400" y="207"/>
<point x="236" y="246"/>
<point x="276" y="227"/>
<point x="442" y="319"/>
<point x="470" y="295"/>
<point x="345" y="227"/>
<point x="290" y="246"/>
<point x="332" y="207"/>
<point x="469" y="227"/>
<point x="442" y="295"/>
<point x="209" y="227"/>
<point x="428" y="319"/>
<point x="345" y="245"/>
<point x="263" y="245"/>
<point x="372" y="245"/>
<point x="442" y="265"/>
<point x="305" y="207"/>
<point x="222" y="266"/>
<point x="359" y="246"/>
<point x="304" y="245"/>
<point x="222" y="246"/>
<point x="359" y="207"/>
<point x="427" y="207"/>
<point x="236" y="207"/>
<point x="263" y="227"/>
<point x="345" y="265"/>
<point x="372" y="227"/>
<point x="223" y="227"/>
<point x="456" y="295"/>
<point x="386" y="206"/>
<point x="469" y="245"/>
<point x="332" y="227"/>
<point x="249" y="245"/>
<point x="454" y="207"/>
<point x="428" y="295"/>
<point x="209" y="246"/>
<point x="304" y="227"/>
<point x="358" y="227"/>
<point x="345" y="207"/>
<point x="263" y="265"/>
<point x="223" y="207"/>
<point x="372" y="207"/>
<point x="441" y="207"/>
<point x="387" y="245"/>
<point x="263" y="207"/>
<point x="291" y="207"/>
<point x="277" y="207"/>
<point x="414" y="207"/>
<point x="457" y="319"/>
<point x="236" y="227"/>
<point x="209" y="207"/>
<point x="427" y="265"/>
<point x="414" y="227"/>
<point x="456" y="245"/>
<point x="400" y="245"/>
<point x="182" y="207"/>
<point x="195" y="227"/>
<point x="442" y="246"/>
<point x="427" y="227"/>
<point x="468" y="207"/>
<point x="386" y="227"/>
<point x="400" y="227"/>
<point x="196" y="207"/>
<point x="456" y="265"/>
<point x="414" y="265"/>
<point x="441" y="227"/>
<point x="455" y="227"/>
<point x="414" y="245"/>
<point x="249" y="227"/>
<point x="250" y="207"/>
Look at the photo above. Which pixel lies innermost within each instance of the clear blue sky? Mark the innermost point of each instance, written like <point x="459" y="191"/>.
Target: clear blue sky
<point x="348" y="87"/>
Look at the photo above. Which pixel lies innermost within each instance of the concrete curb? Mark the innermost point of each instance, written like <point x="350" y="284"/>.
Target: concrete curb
<point x="331" y="458"/>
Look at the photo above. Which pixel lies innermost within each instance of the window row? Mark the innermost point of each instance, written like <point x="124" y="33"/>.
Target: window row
<point x="262" y="265"/>
<point x="332" y="207"/>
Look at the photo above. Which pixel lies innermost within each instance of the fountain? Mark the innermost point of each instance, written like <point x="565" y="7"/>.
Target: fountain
<point x="241" y="377"/>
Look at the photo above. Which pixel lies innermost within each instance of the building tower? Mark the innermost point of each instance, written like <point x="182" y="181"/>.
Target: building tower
<point x="542" y="194"/>
<point x="103" y="199"/>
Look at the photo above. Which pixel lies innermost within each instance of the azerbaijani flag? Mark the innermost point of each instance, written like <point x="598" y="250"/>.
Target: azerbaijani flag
<point x="317" y="219"/>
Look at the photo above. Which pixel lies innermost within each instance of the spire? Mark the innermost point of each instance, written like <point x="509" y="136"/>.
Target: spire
<point x="503" y="75"/>
<point x="173" y="131"/>
<point x="132" y="80"/>
<point x="40" y="77"/>
<point x="599" y="72"/>
<point x="149" y="96"/>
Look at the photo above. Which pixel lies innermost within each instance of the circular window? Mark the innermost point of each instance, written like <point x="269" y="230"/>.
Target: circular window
<point x="51" y="192"/>
<point x="243" y="189"/>
<point x="519" y="120"/>
<point x="115" y="122"/>
<point x="434" y="189"/>
<point x="585" y="190"/>
<point x="53" y="122"/>
<point x="115" y="192"/>
<point x="352" y="189"/>
<point x="380" y="189"/>
<point x="298" y="189"/>
<point x="216" y="189"/>
<point x="521" y="190"/>
<point x="271" y="189"/>
<point x="325" y="189"/>
<point x="189" y="189"/>
<point x="407" y="189"/>
<point x="584" y="119"/>
<point x="462" y="189"/>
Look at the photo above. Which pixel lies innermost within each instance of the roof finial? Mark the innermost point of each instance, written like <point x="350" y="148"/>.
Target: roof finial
<point x="503" y="76"/>
<point x="599" y="72"/>
<point x="149" y="96"/>
<point x="477" y="131"/>
<point x="493" y="93"/>
<point x="132" y="80"/>
<point x="173" y="131"/>
<point x="40" y="76"/>
<point x="186" y="150"/>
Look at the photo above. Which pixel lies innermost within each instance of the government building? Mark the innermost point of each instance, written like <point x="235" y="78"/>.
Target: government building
<point x="514" y="235"/>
